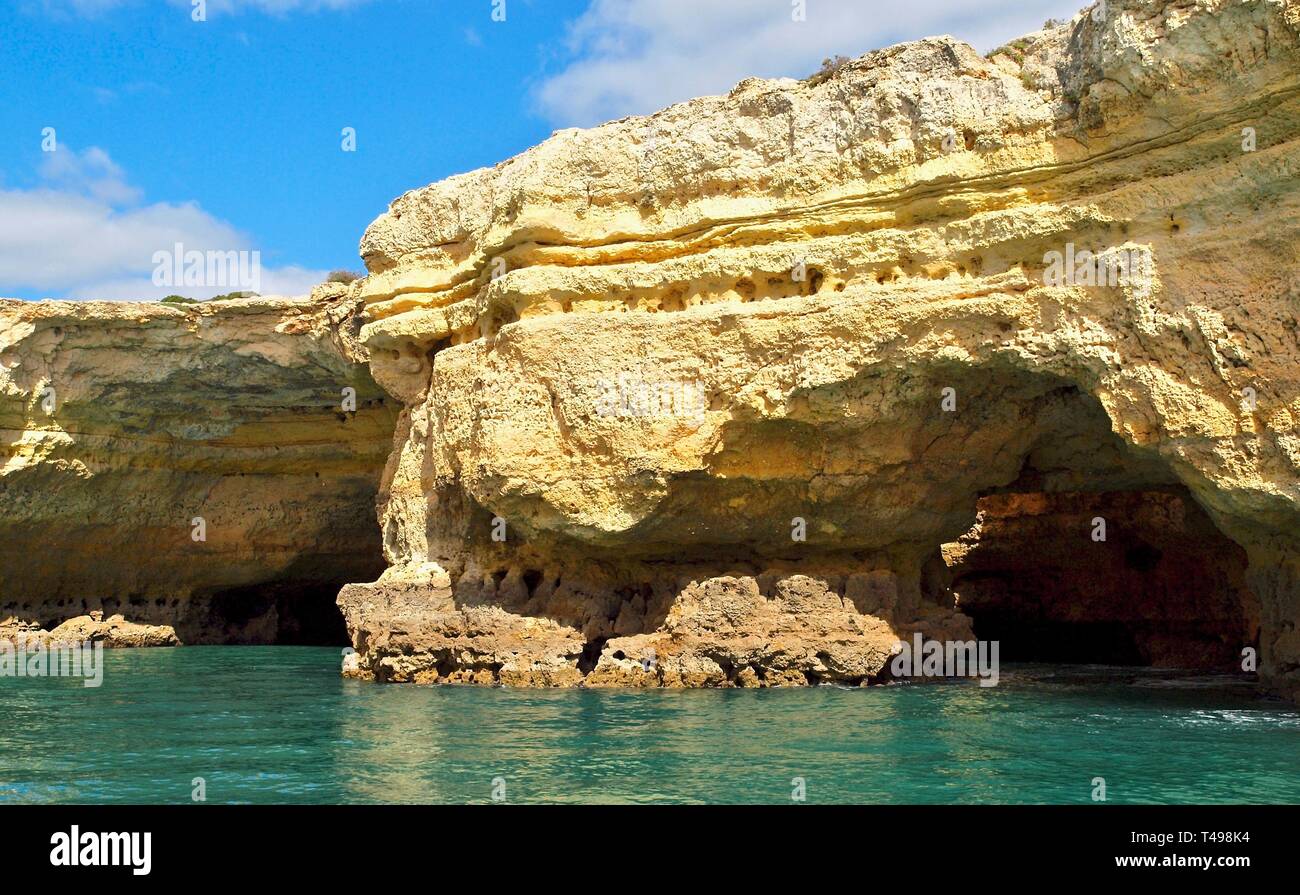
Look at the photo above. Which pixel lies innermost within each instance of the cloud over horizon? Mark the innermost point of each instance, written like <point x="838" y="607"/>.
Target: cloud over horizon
<point x="633" y="57"/>
<point x="82" y="233"/>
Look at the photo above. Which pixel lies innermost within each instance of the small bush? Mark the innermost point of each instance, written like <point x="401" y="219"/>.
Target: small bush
<point x="1014" y="50"/>
<point x="229" y="295"/>
<point x="830" y="66"/>
<point x="342" y="276"/>
<point x="179" y="300"/>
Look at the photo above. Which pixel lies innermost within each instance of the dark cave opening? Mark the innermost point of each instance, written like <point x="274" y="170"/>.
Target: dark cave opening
<point x="1095" y="552"/>
<point x="591" y="651"/>
<point x="1126" y="577"/>
<point x="285" y="613"/>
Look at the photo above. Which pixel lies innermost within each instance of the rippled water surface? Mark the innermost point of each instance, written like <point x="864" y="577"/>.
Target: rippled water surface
<point x="277" y="724"/>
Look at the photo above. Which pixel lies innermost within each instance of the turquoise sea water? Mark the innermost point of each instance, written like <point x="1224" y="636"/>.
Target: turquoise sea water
<point x="278" y="725"/>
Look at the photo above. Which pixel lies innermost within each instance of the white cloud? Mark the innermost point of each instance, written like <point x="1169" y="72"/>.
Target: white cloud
<point x="635" y="56"/>
<point x="291" y="280"/>
<point x="90" y="173"/>
<point x="82" y="234"/>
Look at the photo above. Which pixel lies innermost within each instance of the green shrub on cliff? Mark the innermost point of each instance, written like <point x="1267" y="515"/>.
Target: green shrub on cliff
<point x="830" y="66"/>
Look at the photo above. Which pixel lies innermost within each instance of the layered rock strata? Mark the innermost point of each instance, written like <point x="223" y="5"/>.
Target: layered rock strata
<point x="199" y="466"/>
<point x="698" y="398"/>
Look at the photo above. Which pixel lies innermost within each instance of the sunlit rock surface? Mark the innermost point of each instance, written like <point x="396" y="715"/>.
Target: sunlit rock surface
<point x="189" y="466"/>
<point x="698" y="398"/>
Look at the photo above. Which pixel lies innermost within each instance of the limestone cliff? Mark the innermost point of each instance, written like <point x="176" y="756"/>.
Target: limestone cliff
<point x="192" y="466"/>
<point x="699" y="398"/>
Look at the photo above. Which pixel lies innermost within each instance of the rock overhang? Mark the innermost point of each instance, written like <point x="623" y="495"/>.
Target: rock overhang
<point x="820" y="261"/>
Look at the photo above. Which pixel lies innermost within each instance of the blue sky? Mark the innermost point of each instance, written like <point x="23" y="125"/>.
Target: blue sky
<point x="226" y="133"/>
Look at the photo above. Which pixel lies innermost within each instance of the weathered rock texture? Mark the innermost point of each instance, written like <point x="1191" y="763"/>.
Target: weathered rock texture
<point x="1166" y="589"/>
<point x="114" y="632"/>
<point x="785" y="280"/>
<point x="161" y="415"/>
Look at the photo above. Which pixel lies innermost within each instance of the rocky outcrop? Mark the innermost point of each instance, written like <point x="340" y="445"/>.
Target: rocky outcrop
<point x="738" y="394"/>
<point x="721" y="382"/>
<point x="628" y="625"/>
<point x="113" y="633"/>
<point x="195" y="466"/>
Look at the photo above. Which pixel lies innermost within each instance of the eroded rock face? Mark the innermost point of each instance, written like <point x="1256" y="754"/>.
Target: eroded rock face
<point x="629" y="625"/>
<point x="635" y="360"/>
<point x="114" y="632"/>
<point x="1157" y="584"/>
<point x="123" y="424"/>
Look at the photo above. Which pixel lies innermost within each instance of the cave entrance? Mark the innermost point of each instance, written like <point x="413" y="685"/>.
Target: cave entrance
<point x="1097" y="554"/>
<point x="285" y="613"/>
<point x="298" y="608"/>
<point x="1164" y="588"/>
